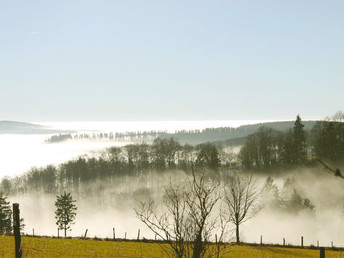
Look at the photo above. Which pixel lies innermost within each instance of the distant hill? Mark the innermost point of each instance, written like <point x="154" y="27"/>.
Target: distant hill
<point x="13" y="127"/>
<point x="231" y="136"/>
<point x="227" y="136"/>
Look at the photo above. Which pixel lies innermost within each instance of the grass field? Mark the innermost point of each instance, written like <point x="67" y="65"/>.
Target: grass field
<point x="53" y="247"/>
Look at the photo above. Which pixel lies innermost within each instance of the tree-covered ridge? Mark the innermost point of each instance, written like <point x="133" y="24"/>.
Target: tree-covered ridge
<point x="270" y="148"/>
<point x="183" y="136"/>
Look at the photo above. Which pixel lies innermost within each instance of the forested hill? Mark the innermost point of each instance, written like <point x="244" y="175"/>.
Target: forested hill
<point x="12" y="127"/>
<point x="229" y="135"/>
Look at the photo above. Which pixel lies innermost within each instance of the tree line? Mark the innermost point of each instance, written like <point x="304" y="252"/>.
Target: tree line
<point x="115" y="162"/>
<point x="270" y="148"/>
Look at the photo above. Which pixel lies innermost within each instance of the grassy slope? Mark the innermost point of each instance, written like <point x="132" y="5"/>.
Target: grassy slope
<point x="52" y="247"/>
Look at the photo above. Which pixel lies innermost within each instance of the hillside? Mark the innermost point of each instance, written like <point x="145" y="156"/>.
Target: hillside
<point x="228" y="133"/>
<point x="13" y="127"/>
<point x="187" y="136"/>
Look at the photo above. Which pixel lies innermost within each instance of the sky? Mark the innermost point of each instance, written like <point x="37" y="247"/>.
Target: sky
<point x="110" y="60"/>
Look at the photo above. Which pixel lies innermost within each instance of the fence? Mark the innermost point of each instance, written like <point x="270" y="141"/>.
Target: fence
<point x="81" y="249"/>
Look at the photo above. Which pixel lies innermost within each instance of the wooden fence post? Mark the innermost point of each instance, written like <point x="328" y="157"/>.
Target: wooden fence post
<point x="283" y="241"/>
<point x="322" y="252"/>
<point x="332" y="244"/>
<point x="85" y="233"/>
<point x="16" y="230"/>
<point x="216" y="238"/>
<point x="33" y="232"/>
<point x="138" y="234"/>
<point x="114" y="233"/>
<point x="261" y="239"/>
<point x="302" y="241"/>
<point x="317" y="243"/>
<point x="125" y="235"/>
<point x="58" y="232"/>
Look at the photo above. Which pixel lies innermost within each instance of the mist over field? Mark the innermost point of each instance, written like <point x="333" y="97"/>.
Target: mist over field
<point x="107" y="202"/>
<point x="104" y="208"/>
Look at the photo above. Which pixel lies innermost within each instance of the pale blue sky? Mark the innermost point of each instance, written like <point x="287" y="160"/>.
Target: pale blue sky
<point x="170" y="60"/>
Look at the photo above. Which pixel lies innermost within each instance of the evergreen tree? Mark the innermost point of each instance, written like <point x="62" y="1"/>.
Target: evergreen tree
<point x="65" y="211"/>
<point x="269" y="195"/>
<point x="5" y="215"/>
<point x="299" y="142"/>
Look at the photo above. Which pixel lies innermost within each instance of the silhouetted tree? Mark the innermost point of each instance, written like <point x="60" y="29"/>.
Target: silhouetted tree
<point x="65" y="211"/>
<point x="5" y="215"/>
<point x="207" y="156"/>
<point x="328" y="140"/>
<point x="164" y="152"/>
<point x="240" y="197"/>
<point x="260" y="149"/>
<point x="299" y="142"/>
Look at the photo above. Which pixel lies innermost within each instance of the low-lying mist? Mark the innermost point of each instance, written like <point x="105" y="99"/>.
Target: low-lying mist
<point x="21" y="152"/>
<point x="103" y="205"/>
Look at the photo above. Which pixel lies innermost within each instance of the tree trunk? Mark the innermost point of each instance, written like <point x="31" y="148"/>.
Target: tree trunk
<point x="237" y="233"/>
<point x="198" y="247"/>
<point x="65" y="231"/>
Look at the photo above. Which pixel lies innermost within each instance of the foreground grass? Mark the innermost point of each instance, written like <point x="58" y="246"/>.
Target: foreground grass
<point x="52" y="247"/>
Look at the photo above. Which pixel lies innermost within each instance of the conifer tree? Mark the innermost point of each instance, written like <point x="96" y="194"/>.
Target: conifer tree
<point x="299" y="142"/>
<point x="65" y="211"/>
<point x="5" y="215"/>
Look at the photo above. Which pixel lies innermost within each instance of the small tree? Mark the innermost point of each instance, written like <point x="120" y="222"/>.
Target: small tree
<point x="65" y="211"/>
<point x="240" y="196"/>
<point x="5" y="215"/>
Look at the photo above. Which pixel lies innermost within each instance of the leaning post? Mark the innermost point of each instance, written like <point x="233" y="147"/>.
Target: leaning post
<point x="16" y="230"/>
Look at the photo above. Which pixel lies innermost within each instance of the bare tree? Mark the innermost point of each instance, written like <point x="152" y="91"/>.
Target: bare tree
<point x="201" y="202"/>
<point x="185" y="220"/>
<point x="240" y="198"/>
<point x="168" y="221"/>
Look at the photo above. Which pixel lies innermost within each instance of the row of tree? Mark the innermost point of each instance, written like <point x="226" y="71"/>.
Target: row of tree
<point x="116" y="162"/>
<point x="271" y="148"/>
